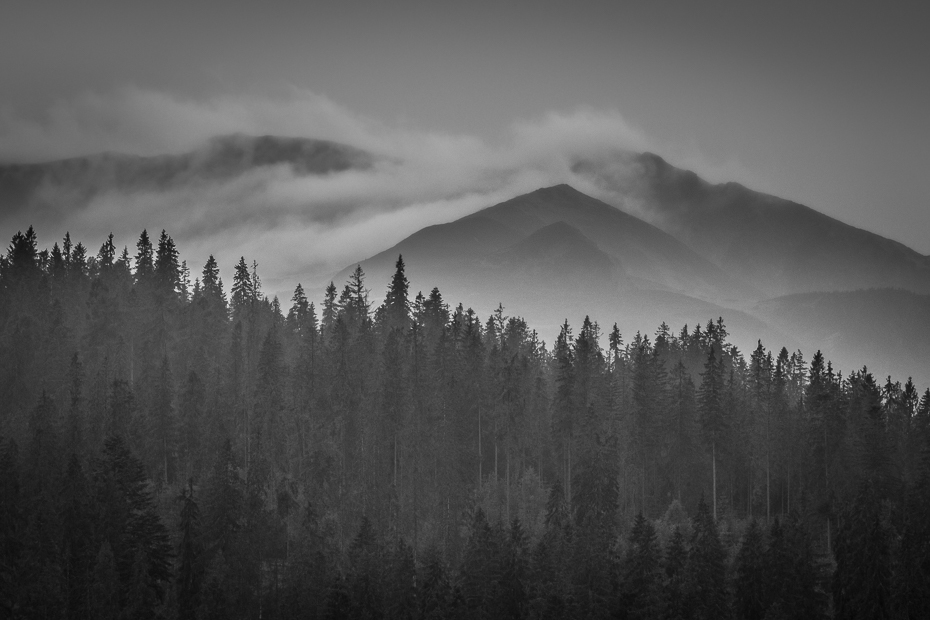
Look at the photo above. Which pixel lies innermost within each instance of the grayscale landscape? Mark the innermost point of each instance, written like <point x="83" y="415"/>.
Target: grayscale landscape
<point x="443" y="312"/>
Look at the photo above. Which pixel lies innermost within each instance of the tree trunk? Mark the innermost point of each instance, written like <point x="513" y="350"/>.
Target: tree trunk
<point x="508" y="482"/>
<point x="479" y="448"/>
<point x="714" y="467"/>
<point x="768" y="476"/>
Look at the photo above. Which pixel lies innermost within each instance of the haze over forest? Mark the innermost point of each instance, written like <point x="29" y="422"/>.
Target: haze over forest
<point x="432" y="311"/>
<point x="660" y="242"/>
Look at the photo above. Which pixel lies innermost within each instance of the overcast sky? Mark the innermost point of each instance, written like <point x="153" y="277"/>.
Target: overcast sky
<point x="823" y="103"/>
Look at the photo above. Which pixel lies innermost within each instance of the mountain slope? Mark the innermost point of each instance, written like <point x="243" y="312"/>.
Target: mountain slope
<point x="556" y="253"/>
<point x="780" y="246"/>
<point x="888" y="329"/>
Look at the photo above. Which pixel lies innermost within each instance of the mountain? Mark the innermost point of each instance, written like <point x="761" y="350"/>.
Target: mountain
<point x="25" y="187"/>
<point x="780" y="246"/>
<point x="772" y="268"/>
<point x="557" y="254"/>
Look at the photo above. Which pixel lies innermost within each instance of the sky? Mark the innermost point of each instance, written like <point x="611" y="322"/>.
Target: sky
<point x="824" y="103"/>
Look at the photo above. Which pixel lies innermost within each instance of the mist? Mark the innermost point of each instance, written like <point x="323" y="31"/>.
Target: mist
<point x="317" y="224"/>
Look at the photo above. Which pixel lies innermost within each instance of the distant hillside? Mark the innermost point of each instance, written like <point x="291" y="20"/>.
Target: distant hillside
<point x="557" y="254"/>
<point x="888" y="329"/>
<point x="780" y="246"/>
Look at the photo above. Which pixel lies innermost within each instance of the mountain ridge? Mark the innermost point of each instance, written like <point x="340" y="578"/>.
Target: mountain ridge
<point x="784" y="246"/>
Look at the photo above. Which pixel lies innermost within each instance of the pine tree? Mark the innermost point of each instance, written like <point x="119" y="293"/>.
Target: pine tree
<point x="862" y="580"/>
<point x="563" y="417"/>
<point x="191" y="412"/>
<point x="680" y="426"/>
<point x="223" y="502"/>
<point x="145" y="262"/>
<point x="514" y="591"/>
<point x="676" y="561"/>
<point x="167" y="268"/>
<point x="163" y="430"/>
<point x="750" y="587"/>
<point x="328" y="319"/>
<point x="434" y="592"/>
<point x="243" y="292"/>
<point x="338" y="603"/>
<point x="211" y="282"/>
<point x="792" y="576"/>
<point x="400" y="583"/>
<point x="364" y="580"/>
<point x="298" y="315"/>
<point x="137" y="532"/>
<point x="104" y="593"/>
<point x="396" y="304"/>
<point x="705" y="581"/>
<point x="711" y="409"/>
<point x="191" y="557"/>
<point x="479" y="571"/>
<point x="640" y="586"/>
<point x="77" y="539"/>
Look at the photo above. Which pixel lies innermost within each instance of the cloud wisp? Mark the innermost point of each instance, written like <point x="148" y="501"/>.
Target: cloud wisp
<point x="299" y="227"/>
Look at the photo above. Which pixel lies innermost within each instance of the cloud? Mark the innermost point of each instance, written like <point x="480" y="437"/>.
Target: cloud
<point x="299" y="228"/>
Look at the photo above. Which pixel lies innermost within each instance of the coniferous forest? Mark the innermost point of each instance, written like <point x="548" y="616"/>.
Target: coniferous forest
<point x="173" y="448"/>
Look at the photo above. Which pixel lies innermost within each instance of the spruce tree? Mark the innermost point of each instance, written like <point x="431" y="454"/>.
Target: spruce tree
<point x="396" y="303"/>
<point x="190" y="577"/>
<point x="104" y="595"/>
<point x="130" y="515"/>
<point x="676" y="561"/>
<point x="434" y="592"/>
<point x="705" y="581"/>
<point x="243" y="293"/>
<point x="711" y="410"/>
<point x="750" y="596"/>
<point x="862" y="580"/>
<point x="78" y="538"/>
<point x="640" y="586"/>
<point x="364" y="583"/>
<point x="145" y="262"/>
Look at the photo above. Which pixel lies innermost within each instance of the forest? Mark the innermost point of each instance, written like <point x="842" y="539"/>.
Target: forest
<point x="173" y="449"/>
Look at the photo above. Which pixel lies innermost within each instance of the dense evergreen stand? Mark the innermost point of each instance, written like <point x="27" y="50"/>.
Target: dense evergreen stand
<point x="170" y="451"/>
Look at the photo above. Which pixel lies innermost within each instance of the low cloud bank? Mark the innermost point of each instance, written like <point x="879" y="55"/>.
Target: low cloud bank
<point x="299" y="228"/>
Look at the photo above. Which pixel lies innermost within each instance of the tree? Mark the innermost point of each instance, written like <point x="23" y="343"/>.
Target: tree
<point x="78" y="537"/>
<point x="676" y="561"/>
<point x="167" y="268"/>
<point x="364" y="579"/>
<point x="514" y="573"/>
<point x="191" y="556"/>
<point x="104" y="593"/>
<point x="145" y="263"/>
<point x="563" y="417"/>
<point x="163" y="430"/>
<point x="223" y="503"/>
<point x="135" y="530"/>
<point x="396" y="304"/>
<point x="705" y="581"/>
<point x="243" y="292"/>
<point x="750" y="600"/>
<point x="862" y="580"/>
<point x="680" y="425"/>
<point x="434" y="592"/>
<point x="640" y="587"/>
<point x="713" y="421"/>
<point x="791" y="579"/>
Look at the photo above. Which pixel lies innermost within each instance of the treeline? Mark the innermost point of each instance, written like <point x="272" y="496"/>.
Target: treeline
<point x="169" y="450"/>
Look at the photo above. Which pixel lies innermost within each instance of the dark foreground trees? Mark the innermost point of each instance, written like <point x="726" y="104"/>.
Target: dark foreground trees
<point x="168" y="449"/>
